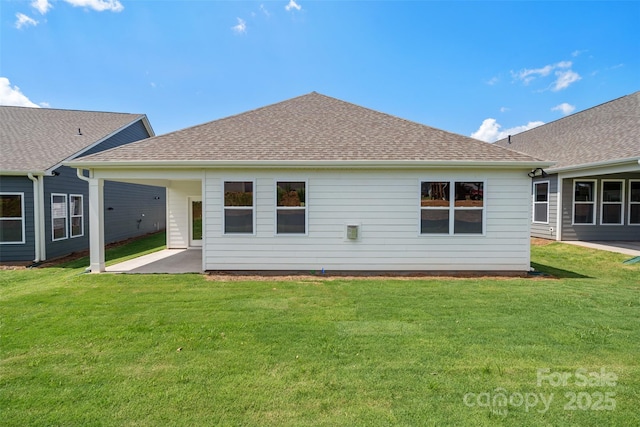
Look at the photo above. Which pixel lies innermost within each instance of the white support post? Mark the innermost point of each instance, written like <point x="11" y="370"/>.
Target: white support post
<point x="96" y="225"/>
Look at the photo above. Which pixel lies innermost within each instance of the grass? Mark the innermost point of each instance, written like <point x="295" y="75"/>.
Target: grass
<point x="147" y="350"/>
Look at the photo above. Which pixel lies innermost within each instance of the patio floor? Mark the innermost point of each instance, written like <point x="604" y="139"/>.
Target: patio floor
<point x="169" y="261"/>
<point x="629" y="248"/>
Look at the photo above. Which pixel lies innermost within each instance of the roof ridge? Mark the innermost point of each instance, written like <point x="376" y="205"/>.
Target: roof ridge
<point x="70" y="110"/>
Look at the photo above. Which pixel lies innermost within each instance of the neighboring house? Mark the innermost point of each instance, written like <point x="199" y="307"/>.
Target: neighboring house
<point x="593" y="190"/>
<point x="316" y="183"/>
<point x="43" y="204"/>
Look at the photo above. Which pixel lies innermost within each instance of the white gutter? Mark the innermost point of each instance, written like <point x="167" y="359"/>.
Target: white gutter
<point x="303" y="163"/>
<point x="603" y="163"/>
<point x="38" y="216"/>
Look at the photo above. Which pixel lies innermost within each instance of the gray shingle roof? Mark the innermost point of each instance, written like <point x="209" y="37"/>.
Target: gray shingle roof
<point x="35" y="139"/>
<point x="610" y="131"/>
<point x="311" y="127"/>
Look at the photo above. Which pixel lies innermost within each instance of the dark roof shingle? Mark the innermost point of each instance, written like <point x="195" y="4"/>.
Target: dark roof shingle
<point x="610" y="131"/>
<point x="36" y="139"/>
<point x="311" y="127"/>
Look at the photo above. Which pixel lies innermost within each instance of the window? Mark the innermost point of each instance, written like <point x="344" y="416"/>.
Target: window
<point x="438" y="215"/>
<point x="584" y="202"/>
<point x="291" y="208"/>
<point x="11" y="218"/>
<point x="541" y="202"/>
<point x="238" y="207"/>
<point x="612" y="202"/>
<point x="77" y="215"/>
<point x="59" y="216"/>
<point x="634" y="202"/>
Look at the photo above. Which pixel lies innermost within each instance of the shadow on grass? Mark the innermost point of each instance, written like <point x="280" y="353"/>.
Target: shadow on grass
<point x="558" y="272"/>
<point x="121" y="251"/>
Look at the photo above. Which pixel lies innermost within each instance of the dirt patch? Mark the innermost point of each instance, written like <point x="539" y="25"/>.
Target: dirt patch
<point x="536" y="241"/>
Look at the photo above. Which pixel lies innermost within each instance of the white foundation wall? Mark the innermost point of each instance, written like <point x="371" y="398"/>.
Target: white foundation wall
<point x="178" y="193"/>
<point x="386" y="206"/>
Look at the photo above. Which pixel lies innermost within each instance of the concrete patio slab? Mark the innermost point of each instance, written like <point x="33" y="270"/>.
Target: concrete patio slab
<point x="628" y="248"/>
<point x="168" y="261"/>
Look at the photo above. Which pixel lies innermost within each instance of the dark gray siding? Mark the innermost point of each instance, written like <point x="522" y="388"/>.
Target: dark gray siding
<point x="132" y="210"/>
<point x="544" y="230"/>
<point x="26" y="251"/>
<point x="66" y="183"/>
<point x="597" y="232"/>
<point x="124" y="205"/>
<point x="135" y="132"/>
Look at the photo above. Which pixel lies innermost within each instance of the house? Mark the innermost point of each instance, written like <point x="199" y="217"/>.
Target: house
<point x="592" y="192"/>
<point x="315" y="183"/>
<point x="43" y="204"/>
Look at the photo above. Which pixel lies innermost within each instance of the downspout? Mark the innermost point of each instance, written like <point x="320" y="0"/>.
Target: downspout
<point x="37" y="202"/>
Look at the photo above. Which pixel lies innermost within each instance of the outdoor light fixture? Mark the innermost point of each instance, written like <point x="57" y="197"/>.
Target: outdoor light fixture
<point x="536" y="173"/>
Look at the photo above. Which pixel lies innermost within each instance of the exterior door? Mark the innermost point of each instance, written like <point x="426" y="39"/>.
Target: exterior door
<point x="195" y="221"/>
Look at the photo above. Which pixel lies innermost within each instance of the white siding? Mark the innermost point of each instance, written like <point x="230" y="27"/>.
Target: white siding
<point x="385" y="203"/>
<point x="178" y="193"/>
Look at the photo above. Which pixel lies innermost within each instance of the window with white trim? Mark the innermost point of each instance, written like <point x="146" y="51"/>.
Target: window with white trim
<point x="238" y="207"/>
<point x="612" y="202"/>
<point x="59" y="215"/>
<point x="541" y="202"/>
<point x="448" y="207"/>
<point x="584" y="202"/>
<point x="634" y="202"/>
<point x="291" y="207"/>
<point x="12" y="218"/>
<point x="76" y="209"/>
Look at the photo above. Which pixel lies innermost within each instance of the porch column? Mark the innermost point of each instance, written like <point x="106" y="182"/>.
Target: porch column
<point x="96" y="225"/>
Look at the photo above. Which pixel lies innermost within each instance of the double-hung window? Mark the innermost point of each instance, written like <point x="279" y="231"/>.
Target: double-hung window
<point x="612" y="202"/>
<point x="634" y="202"/>
<point x="77" y="215"/>
<point x="291" y="207"/>
<point x="59" y="212"/>
<point x="451" y="207"/>
<point x="541" y="202"/>
<point x="584" y="202"/>
<point x="11" y="218"/>
<point x="238" y="207"/>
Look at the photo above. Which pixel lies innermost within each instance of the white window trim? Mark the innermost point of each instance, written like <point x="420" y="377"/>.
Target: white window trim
<point x="452" y="207"/>
<point x="620" y="203"/>
<point x="635" y="224"/>
<point x="533" y="216"/>
<point x="277" y="208"/>
<point x="81" y="216"/>
<point x="22" y="218"/>
<point x="573" y="201"/>
<point x="66" y="217"/>
<point x="253" y="208"/>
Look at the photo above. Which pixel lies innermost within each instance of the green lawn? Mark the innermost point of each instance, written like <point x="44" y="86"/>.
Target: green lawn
<point x="160" y="350"/>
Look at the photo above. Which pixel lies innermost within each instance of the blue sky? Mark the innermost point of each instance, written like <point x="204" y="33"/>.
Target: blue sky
<point x="475" y="68"/>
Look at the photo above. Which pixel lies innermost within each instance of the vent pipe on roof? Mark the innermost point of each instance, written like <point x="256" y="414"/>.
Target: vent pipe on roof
<point x="508" y="140"/>
<point x="79" y="132"/>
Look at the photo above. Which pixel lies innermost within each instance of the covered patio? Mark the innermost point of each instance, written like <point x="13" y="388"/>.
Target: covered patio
<point x="167" y="261"/>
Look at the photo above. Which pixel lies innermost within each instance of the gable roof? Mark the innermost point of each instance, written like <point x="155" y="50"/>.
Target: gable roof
<point x="38" y="139"/>
<point x="598" y="135"/>
<point x="309" y="129"/>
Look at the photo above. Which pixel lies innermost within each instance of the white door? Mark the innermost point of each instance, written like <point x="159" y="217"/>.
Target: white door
<point x="195" y="221"/>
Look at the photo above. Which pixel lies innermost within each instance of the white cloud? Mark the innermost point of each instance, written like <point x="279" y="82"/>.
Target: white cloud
<point x="564" y="108"/>
<point x="265" y="11"/>
<point x="489" y="130"/>
<point x="576" y="53"/>
<point x="23" y="21"/>
<point x="504" y="109"/>
<point x="13" y="96"/>
<point x="493" y="81"/>
<point x="41" y="6"/>
<point x="293" y="5"/>
<point x="565" y="79"/>
<point x="241" y="27"/>
<point x="98" y="5"/>
<point x="564" y="75"/>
